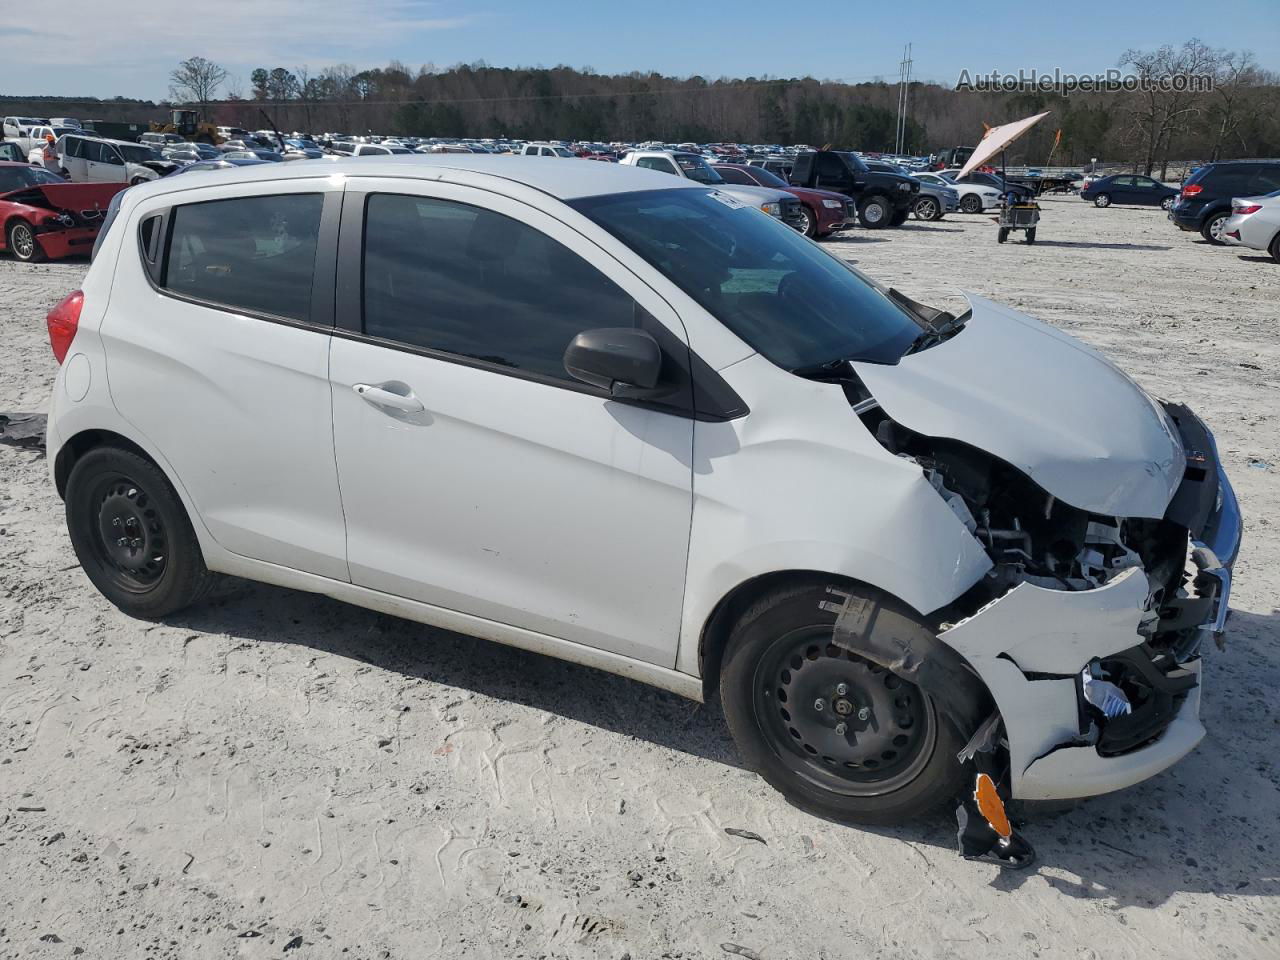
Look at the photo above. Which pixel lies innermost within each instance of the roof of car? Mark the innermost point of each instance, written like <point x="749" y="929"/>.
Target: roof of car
<point x="566" y="179"/>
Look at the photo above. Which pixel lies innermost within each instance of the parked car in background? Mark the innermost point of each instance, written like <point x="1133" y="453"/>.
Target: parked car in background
<point x="778" y="166"/>
<point x="623" y="419"/>
<point x="992" y="181"/>
<point x="44" y="217"/>
<point x="881" y="199"/>
<point x="1255" y="223"/>
<point x="970" y="197"/>
<point x="545" y="150"/>
<point x="161" y="140"/>
<point x="190" y="152"/>
<point x="377" y="150"/>
<point x="14" y="126"/>
<point x="937" y="197"/>
<point x="1204" y="205"/>
<point x="10" y="152"/>
<point x="90" y="160"/>
<point x="35" y="138"/>
<point x="1128" y="188"/>
<point x="222" y="163"/>
<point x="825" y="211"/>
<point x="270" y="156"/>
<point x="692" y="166"/>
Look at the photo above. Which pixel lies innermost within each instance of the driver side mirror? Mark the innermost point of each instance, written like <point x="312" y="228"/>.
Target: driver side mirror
<point x="625" y="361"/>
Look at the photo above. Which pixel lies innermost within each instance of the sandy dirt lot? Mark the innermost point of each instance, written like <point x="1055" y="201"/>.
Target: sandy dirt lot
<point x="278" y="775"/>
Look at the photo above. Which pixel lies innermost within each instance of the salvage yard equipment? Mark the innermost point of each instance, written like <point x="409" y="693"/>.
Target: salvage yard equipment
<point x="1018" y="216"/>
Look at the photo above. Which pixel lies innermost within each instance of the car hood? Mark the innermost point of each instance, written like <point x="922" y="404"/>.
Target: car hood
<point x="1044" y="402"/>
<point x="75" y="197"/>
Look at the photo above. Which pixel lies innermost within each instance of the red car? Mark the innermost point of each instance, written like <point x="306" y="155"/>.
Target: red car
<point x="43" y="216"/>
<point x="825" y="212"/>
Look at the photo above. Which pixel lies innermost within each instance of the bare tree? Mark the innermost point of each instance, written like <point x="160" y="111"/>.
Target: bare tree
<point x="196" y="80"/>
<point x="1161" y="110"/>
<point x="1235" y="72"/>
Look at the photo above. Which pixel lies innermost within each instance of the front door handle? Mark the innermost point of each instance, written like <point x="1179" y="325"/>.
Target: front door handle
<point x="381" y="397"/>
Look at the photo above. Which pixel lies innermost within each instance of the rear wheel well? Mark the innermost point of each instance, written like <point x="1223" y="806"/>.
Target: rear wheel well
<point x="82" y="443"/>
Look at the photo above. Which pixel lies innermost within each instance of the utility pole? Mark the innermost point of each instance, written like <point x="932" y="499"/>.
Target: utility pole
<point x="904" y="87"/>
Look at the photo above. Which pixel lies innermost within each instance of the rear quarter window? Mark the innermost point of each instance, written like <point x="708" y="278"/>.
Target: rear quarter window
<point x="255" y="254"/>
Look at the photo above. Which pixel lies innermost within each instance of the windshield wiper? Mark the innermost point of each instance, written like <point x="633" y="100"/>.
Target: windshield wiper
<point x="826" y="370"/>
<point x="944" y="327"/>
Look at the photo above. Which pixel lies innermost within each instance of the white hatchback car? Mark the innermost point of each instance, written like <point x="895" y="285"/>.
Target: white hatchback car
<point x="623" y="419"/>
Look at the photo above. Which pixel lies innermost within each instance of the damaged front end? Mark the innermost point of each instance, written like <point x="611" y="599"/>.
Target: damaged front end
<point x="1088" y="626"/>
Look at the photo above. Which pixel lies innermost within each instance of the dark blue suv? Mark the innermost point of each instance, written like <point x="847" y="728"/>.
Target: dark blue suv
<point x="1205" y="202"/>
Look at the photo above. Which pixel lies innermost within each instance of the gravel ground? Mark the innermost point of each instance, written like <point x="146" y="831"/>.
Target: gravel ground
<point x="278" y="775"/>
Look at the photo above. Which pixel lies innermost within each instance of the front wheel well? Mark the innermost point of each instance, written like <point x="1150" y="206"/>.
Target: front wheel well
<point x="716" y="630"/>
<point x="82" y="443"/>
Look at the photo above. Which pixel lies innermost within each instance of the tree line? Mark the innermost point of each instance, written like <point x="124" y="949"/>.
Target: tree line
<point x="1238" y="117"/>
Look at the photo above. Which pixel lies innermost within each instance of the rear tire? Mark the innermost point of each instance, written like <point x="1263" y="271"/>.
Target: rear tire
<point x="1031" y="235"/>
<point x="971" y="203"/>
<point x="132" y="535"/>
<point x="1166" y="203"/>
<point x="23" y="243"/>
<point x="1102" y="200"/>
<point x="875" y="212"/>
<point x="1212" y="229"/>
<point x="1275" y="248"/>
<point x="895" y="759"/>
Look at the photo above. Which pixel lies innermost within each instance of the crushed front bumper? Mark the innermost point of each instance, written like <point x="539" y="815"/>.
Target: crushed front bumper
<point x="1030" y="646"/>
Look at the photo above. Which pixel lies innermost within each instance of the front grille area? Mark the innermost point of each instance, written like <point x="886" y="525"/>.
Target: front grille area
<point x="793" y="213"/>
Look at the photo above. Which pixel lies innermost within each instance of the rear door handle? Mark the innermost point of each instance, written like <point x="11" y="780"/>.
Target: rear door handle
<point x="381" y="397"/>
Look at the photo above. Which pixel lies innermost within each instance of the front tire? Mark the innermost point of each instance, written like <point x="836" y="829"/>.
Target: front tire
<point x="926" y="209"/>
<point x="132" y="535"/>
<point x="971" y="203"/>
<point x="1212" y="229"/>
<point x="874" y="213"/>
<point x="1275" y="248"/>
<point x="1102" y="200"/>
<point x="836" y="733"/>
<point x="23" y="243"/>
<point x="810" y="222"/>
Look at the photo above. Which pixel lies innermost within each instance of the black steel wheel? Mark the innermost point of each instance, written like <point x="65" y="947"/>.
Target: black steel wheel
<point x="839" y="720"/>
<point x="132" y="535"/>
<point x="837" y="733"/>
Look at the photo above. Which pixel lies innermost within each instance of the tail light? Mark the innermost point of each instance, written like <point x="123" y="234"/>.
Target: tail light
<point x="1247" y="208"/>
<point x="1191" y="189"/>
<point x="63" y="320"/>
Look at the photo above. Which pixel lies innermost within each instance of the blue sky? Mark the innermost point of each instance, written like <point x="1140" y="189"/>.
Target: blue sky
<point x="97" y="48"/>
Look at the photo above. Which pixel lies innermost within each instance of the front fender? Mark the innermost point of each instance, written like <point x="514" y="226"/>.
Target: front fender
<point x="799" y="484"/>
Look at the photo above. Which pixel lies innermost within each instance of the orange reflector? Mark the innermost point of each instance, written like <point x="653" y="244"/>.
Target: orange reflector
<point x="991" y="806"/>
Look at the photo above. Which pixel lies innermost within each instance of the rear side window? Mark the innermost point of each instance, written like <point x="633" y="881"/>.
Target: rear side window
<point x="1228" y="180"/>
<point x="473" y="283"/>
<point x="255" y="254"/>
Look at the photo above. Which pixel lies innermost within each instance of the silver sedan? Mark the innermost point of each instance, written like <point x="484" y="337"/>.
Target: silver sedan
<point x="1255" y="222"/>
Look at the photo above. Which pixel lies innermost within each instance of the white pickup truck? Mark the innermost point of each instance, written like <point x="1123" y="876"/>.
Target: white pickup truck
<point x="777" y="203"/>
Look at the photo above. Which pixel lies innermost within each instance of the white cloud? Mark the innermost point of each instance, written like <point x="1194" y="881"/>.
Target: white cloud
<point x="236" y="33"/>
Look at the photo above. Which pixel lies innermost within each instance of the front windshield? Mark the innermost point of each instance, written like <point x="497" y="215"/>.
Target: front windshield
<point x="784" y="295"/>
<point x="695" y="168"/>
<point x="137" y="154"/>
<point x="18" y="178"/>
